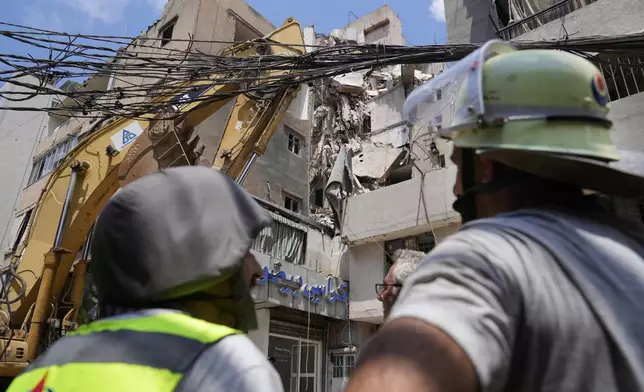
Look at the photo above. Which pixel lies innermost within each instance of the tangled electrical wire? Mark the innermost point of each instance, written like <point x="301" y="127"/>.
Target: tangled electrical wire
<point x="142" y="67"/>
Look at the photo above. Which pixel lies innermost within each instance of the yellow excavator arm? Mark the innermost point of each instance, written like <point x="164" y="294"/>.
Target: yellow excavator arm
<point x="110" y="157"/>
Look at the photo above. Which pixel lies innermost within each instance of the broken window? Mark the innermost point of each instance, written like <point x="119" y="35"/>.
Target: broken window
<point x="319" y="198"/>
<point x="166" y="32"/>
<point x="399" y="175"/>
<point x="441" y="160"/>
<point x="423" y="243"/>
<point x="366" y="123"/>
<point x="21" y="229"/>
<point x="284" y="240"/>
<point x="294" y="143"/>
<point x="243" y="31"/>
<point x="378" y="33"/>
<point x="292" y="203"/>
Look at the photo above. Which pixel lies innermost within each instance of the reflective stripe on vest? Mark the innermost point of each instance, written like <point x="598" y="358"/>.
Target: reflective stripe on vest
<point x="148" y="353"/>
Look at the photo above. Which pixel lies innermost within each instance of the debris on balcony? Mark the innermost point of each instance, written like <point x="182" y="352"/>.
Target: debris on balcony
<point x="323" y="216"/>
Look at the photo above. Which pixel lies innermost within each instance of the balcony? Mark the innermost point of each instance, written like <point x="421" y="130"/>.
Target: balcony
<point x="411" y="207"/>
<point x="540" y="18"/>
<point x="624" y="75"/>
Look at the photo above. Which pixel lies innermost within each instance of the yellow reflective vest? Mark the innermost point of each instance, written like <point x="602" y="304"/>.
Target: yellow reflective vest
<point x="140" y="353"/>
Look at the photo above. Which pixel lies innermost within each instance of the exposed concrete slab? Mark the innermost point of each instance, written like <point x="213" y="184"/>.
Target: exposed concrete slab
<point x="397" y="136"/>
<point x="350" y="83"/>
<point x="412" y="207"/>
<point x="374" y="161"/>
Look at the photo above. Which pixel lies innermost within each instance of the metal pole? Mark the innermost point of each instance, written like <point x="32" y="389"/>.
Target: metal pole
<point x="244" y="173"/>
<point x="63" y="215"/>
<point x="88" y="243"/>
<point x="76" y="167"/>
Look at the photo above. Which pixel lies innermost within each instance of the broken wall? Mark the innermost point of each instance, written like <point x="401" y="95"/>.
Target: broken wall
<point x="386" y="109"/>
<point x="281" y="173"/>
<point x="382" y="26"/>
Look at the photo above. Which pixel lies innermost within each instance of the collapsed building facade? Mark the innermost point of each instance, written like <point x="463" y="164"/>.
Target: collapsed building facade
<point x="357" y="125"/>
<point x="346" y="181"/>
<point x="377" y="184"/>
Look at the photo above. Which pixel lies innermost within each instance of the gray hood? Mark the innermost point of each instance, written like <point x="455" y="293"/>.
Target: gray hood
<point x="171" y="234"/>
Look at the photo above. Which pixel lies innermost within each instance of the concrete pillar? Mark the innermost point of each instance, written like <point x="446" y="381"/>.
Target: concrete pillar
<point x="260" y="335"/>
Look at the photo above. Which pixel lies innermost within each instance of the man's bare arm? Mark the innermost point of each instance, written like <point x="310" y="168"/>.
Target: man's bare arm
<point x="412" y="355"/>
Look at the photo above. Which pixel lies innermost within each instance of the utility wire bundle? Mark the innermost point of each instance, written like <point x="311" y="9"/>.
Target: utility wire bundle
<point x="143" y="69"/>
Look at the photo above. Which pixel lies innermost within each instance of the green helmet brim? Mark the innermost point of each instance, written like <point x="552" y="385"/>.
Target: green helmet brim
<point x="578" y="138"/>
<point x="583" y="172"/>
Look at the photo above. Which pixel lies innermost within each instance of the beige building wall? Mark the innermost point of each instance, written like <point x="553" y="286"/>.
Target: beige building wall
<point x="225" y="21"/>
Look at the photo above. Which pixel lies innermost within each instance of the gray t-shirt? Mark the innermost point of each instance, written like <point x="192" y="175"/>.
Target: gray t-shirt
<point x="540" y="300"/>
<point x="234" y="364"/>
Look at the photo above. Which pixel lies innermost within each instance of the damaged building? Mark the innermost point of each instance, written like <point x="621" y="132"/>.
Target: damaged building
<point x="357" y="124"/>
<point x="379" y="185"/>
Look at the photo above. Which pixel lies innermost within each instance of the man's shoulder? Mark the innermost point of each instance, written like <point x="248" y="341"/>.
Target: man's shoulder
<point x="235" y="347"/>
<point x="234" y="363"/>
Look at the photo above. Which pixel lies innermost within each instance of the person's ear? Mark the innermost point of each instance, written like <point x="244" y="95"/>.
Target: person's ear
<point x="484" y="170"/>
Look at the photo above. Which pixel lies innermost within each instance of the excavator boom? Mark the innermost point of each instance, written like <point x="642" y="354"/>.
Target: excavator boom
<point x="112" y="156"/>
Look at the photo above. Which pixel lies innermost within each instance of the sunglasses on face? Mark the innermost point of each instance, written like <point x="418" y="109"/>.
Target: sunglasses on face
<point x="381" y="287"/>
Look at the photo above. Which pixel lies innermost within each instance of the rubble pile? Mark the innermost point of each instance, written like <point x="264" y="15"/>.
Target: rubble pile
<point x="323" y="216"/>
<point x="341" y="119"/>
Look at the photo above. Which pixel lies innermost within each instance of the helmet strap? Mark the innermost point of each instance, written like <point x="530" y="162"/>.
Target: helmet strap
<point x="465" y="204"/>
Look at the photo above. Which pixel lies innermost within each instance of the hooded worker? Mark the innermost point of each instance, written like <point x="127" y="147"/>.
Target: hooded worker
<point x="173" y="273"/>
<point x="541" y="289"/>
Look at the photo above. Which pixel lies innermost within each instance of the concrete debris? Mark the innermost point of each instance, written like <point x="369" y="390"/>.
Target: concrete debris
<point x="375" y="162"/>
<point x="421" y="77"/>
<point x="348" y="35"/>
<point x="323" y="216"/>
<point x="342" y="122"/>
<point x="351" y="83"/>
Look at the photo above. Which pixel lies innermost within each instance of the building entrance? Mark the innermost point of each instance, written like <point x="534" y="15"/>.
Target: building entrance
<point x="298" y="362"/>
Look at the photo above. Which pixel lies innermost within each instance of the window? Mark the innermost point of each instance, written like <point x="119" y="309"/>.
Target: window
<point x="441" y="160"/>
<point x="282" y="240"/>
<point x="438" y="121"/>
<point x="166" y="32"/>
<point x="366" y="123"/>
<point x="423" y="242"/>
<point x="48" y="162"/>
<point x="294" y="143"/>
<point x="343" y="365"/>
<point x="21" y="229"/>
<point x="292" y="203"/>
<point x="525" y="23"/>
<point x="378" y="33"/>
<point x="319" y="198"/>
<point x="439" y="94"/>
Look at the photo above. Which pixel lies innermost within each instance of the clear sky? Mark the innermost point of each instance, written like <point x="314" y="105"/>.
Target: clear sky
<point x="422" y="19"/>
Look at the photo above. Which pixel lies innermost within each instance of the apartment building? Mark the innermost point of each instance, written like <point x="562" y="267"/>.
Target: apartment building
<point x="300" y="296"/>
<point x="279" y="176"/>
<point x="398" y="180"/>
<point x="19" y="133"/>
<point x="530" y="20"/>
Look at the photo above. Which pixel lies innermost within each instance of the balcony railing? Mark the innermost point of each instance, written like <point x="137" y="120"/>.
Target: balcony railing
<point x="624" y="75"/>
<point x="538" y="19"/>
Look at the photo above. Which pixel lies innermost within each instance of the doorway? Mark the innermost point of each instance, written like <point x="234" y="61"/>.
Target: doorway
<point x="297" y="361"/>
